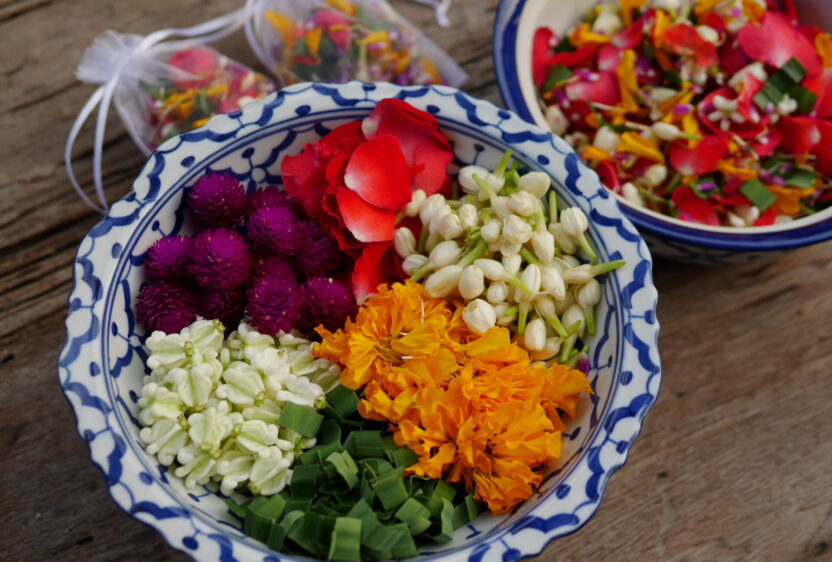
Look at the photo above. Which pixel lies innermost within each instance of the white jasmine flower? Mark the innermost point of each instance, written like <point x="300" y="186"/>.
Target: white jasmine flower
<point x="468" y="215"/>
<point x="509" y="248"/>
<point x="607" y="22"/>
<point x="550" y="349"/>
<point x="589" y="294"/>
<point x="417" y="199"/>
<point x="523" y="203"/>
<point x="551" y="281"/>
<point x="479" y="316"/>
<point x="443" y="282"/>
<point x="607" y="139"/>
<point x="471" y="282"/>
<point x="413" y="262"/>
<point x="535" y="183"/>
<point x="543" y="243"/>
<point x="404" y="241"/>
<point x="449" y="226"/>
<point x="490" y="232"/>
<point x="556" y="119"/>
<point x="563" y="241"/>
<point x="516" y="230"/>
<point x="506" y="313"/>
<point x="497" y="291"/>
<point x="534" y="338"/>
<point x="469" y="185"/>
<point x="512" y="264"/>
<point x="572" y="316"/>
<point x="632" y="194"/>
<point x="655" y="175"/>
<point x="445" y="253"/>
<point x="431" y="206"/>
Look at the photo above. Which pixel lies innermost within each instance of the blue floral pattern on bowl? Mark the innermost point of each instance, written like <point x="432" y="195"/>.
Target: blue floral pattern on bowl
<point x="102" y="363"/>
<point x="667" y="237"/>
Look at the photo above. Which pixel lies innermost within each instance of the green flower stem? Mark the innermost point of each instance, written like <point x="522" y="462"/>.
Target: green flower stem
<point x="481" y="184"/>
<point x="568" y="344"/>
<point x="474" y="254"/>
<point x="485" y="215"/>
<point x="419" y="273"/>
<point x="556" y="324"/>
<point x="517" y="282"/>
<point x="500" y="170"/>
<point x="512" y="179"/>
<point x="690" y="136"/>
<point x="585" y="245"/>
<point x="423" y="238"/>
<point x="589" y="316"/>
<point x="601" y="268"/>
<point x="553" y="206"/>
<point x="673" y="183"/>
<point x="522" y="315"/>
<point x="573" y="329"/>
<point x="529" y="257"/>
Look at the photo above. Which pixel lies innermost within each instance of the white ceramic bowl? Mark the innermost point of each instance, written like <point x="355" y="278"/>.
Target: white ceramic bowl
<point x="669" y="237"/>
<point x="102" y="364"/>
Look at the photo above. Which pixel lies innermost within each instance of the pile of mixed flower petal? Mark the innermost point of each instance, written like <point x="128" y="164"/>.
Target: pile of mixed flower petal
<point x="420" y="400"/>
<point x="711" y="111"/>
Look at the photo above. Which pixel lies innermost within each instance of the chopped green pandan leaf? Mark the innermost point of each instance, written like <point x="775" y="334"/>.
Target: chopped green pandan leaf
<point x="756" y="192"/>
<point x="342" y="400"/>
<point x="404" y="457"/>
<point x="801" y="178"/>
<point x="377" y="554"/>
<point x="794" y="70"/>
<point x="345" y="542"/>
<point x="565" y="46"/>
<point x="674" y="79"/>
<point x="300" y="419"/>
<point x="390" y="489"/>
<point x="307" y="457"/>
<point x="299" y="504"/>
<point x="278" y="532"/>
<point x="772" y="165"/>
<point x="383" y="537"/>
<point x="368" y="494"/>
<point x="330" y="432"/>
<point x="556" y="76"/>
<point x="313" y="533"/>
<point x="323" y="451"/>
<point x="441" y="491"/>
<point x="254" y="524"/>
<point x="345" y="466"/>
<point x="236" y="509"/>
<point x="769" y="95"/>
<point x="405" y="547"/>
<point x="466" y="511"/>
<point x="375" y="467"/>
<point x="362" y="510"/>
<point x="304" y="483"/>
<point x="442" y="531"/>
<point x="805" y="99"/>
<point x="365" y="443"/>
<point x="415" y="515"/>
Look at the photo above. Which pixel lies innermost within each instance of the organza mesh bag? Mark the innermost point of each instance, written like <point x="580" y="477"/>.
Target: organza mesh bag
<point x="340" y="40"/>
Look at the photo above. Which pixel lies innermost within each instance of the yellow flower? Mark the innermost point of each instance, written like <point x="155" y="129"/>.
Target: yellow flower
<point x="633" y="143"/>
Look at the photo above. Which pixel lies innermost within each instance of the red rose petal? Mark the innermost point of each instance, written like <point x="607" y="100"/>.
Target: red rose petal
<point x="823" y="149"/>
<point x="734" y="200"/>
<point x="699" y="160"/>
<point x="572" y="59"/>
<point x="199" y="63"/>
<point x="425" y="149"/>
<point x="608" y="176"/>
<point x="366" y="222"/>
<point x="732" y="59"/>
<point x="609" y="58"/>
<point x="766" y="218"/>
<point x="366" y="274"/>
<point x="767" y="143"/>
<point x="630" y="37"/>
<point x="776" y="41"/>
<point x="378" y="173"/>
<point x="800" y="134"/>
<point x="540" y="52"/>
<point x="603" y="90"/>
<point x="692" y="208"/>
<point x="683" y="39"/>
<point x="821" y="86"/>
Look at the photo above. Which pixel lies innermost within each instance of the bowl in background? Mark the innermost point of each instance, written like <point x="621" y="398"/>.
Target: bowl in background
<point x="668" y="237"/>
<point x="102" y="363"/>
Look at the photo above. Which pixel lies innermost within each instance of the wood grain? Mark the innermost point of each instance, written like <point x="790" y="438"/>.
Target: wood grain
<point x="734" y="460"/>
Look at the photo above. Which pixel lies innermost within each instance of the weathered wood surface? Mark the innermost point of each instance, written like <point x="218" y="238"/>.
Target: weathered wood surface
<point x="734" y="460"/>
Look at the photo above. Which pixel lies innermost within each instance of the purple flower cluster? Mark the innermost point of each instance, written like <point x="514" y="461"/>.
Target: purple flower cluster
<point x="261" y="257"/>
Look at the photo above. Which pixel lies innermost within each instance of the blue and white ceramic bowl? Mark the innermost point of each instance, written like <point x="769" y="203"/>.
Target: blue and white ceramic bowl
<point x="101" y="365"/>
<point x="514" y="29"/>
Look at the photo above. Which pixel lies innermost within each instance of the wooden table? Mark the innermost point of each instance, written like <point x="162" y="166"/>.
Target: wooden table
<point x="734" y="460"/>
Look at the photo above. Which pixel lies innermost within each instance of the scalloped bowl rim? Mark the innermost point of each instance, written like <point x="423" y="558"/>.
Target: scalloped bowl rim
<point x="74" y="345"/>
<point x="514" y="83"/>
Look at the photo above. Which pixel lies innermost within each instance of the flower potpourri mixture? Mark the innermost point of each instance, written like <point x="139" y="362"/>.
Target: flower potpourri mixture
<point x="711" y="111"/>
<point x="407" y="344"/>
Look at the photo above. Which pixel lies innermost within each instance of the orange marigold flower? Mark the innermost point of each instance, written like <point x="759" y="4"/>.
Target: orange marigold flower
<point x="473" y="408"/>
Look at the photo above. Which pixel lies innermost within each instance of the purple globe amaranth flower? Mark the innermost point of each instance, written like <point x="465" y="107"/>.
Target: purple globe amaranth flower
<point x="220" y="259"/>
<point x="321" y="257"/>
<point x="274" y="304"/>
<point x="274" y="265"/>
<point x="225" y="306"/>
<point x="218" y="199"/>
<point x="165" y="306"/>
<point x="274" y="197"/>
<point x="325" y="301"/>
<point x="168" y="258"/>
<point x="276" y="229"/>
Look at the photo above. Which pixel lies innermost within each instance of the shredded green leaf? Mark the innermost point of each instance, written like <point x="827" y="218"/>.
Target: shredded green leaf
<point x="301" y="419"/>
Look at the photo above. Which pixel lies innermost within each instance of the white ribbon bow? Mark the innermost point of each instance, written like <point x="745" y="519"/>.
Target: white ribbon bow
<point x="114" y="57"/>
